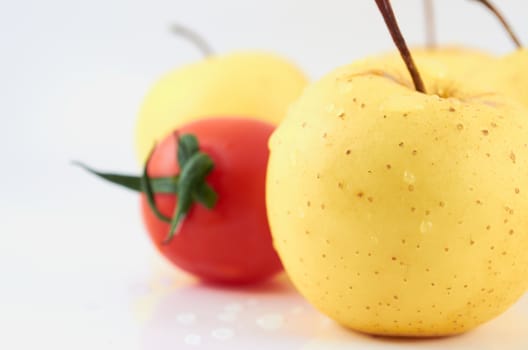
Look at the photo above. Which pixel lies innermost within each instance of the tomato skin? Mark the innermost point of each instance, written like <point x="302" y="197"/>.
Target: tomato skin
<point x="230" y="243"/>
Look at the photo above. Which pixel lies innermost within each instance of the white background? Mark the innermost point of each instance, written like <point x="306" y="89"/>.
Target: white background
<point x="76" y="268"/>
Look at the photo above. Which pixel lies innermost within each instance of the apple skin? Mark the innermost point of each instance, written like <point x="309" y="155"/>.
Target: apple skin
<point x="507" y="75"/>
<point x="258" y="84"/>
<point x="451" y="60"/>
<point x="400" y="213"/>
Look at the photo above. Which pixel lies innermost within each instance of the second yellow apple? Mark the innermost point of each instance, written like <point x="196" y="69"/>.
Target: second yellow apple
<point x="255" y="84"/>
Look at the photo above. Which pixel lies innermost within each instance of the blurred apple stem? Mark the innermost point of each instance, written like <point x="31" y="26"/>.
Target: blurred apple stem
<point x="199" y="42"/>
<point x="385" y="8"/>
<point x="430" y="24"/>
<point x="503" y="21"/>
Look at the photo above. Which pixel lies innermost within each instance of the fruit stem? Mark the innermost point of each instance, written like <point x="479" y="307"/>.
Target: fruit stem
<point x="146" y="187"/>
<point x="131" y="182"/>
<point x="385" y="8"/>
<point x="199" y="42"/>
<point x="503" y="21"/>
<point x="430" y="24"/>
<point x="189" y="186"/>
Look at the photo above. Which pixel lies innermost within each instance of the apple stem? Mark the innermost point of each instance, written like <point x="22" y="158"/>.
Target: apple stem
<point x="503" y="21"/>
<point x="385" y="8"/>
<point x="430" y="24"/>
<point x="199" y="42"/>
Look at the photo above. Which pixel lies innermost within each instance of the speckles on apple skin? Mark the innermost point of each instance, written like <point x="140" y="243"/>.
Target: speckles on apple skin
<point x="513" y="157"/>
<point x="368" y="162"/>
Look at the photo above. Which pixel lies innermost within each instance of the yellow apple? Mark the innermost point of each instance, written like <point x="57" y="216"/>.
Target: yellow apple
<point x="254" y="84"/>
<point x="451" y="60"/>
<point x="507" y="75"/>
<point x="397" y="212"/>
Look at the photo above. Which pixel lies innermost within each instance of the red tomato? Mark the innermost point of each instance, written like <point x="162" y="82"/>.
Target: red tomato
<point x="230" y="242"/>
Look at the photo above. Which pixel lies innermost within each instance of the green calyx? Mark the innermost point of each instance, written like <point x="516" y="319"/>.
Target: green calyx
<point x="190" y="185"/>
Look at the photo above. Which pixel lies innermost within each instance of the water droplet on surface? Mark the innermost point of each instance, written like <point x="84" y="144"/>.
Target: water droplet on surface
<point x="252" y="302"/>
<point x="186" y="318"/>
<point x="167" y="282"/>
<point x="140" y="290"/>
<point x="325" y="322"/>
<point x="233" y="307"/>
<point x="193" y="339"/>
<point x="297" y="310"/>
<point x="222" y="333"/>
<point x="227" y="317"/>
<point x="409" y="177"/>
<point x="270" y="321"/>
<point x="426" y="226"/>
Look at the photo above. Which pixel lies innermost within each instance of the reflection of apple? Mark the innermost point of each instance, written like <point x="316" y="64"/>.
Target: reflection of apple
<point x="273" y="316"/>
<point x="398" y="212"/>
<point x="217" y="318"/>
<point x="256" y="84"/>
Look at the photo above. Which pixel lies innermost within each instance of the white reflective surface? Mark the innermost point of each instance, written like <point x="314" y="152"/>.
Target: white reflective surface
<point x="95" y="283"/>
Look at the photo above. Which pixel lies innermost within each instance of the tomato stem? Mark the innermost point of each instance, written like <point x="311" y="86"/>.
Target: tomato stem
<point x="189" y="186"/>
<point x="146" y="187"/>
<point x="194" y="168"/>
<point x="159" y="185"/>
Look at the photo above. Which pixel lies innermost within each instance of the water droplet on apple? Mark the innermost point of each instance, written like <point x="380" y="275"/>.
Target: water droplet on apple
<point x="293" y="158"/>
<point x="409" y="177"/>
<point x="426" y="226"/>
<point x="301" y="213"/>
<point x="344" y="88"/>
